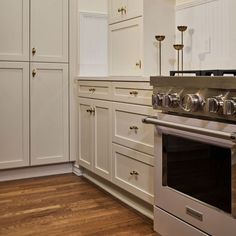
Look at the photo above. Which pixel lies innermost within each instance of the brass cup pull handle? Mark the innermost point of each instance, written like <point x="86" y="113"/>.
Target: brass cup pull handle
<point x="34" y="72"/>
<point x="92" y="90"/>
<point x="133" y="128"/>
<point x="34" y="51"/>
<point x="132" y="173"/>
<point x="135" y="93"/>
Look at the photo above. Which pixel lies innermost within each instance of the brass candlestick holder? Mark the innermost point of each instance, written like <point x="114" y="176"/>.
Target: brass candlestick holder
<point x="160" y="38"/>
<point x="182" y="29"/>
<point x="178" y="47"/>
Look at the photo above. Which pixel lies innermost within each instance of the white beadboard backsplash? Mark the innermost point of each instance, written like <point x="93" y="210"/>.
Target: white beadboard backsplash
<point x="210" y="41"/>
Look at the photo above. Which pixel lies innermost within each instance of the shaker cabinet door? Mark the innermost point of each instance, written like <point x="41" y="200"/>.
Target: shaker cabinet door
<point x="126" y="48"/>
<point x="14" y="114"/>
<point x="86" y="150"/>
<point x="102" y="138"/>
<point x="49" y="30"/>
<point x="14" y="28"/>
<point x="49" y="113"/>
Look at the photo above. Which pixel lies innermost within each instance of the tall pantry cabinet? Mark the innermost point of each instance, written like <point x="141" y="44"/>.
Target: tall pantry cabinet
<point x="33" y="82"/>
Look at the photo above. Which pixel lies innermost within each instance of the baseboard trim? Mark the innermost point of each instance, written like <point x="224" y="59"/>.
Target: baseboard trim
<point x="129" y="199"/>
<point x="38" y="171"/>
<point x="77" y="171"/>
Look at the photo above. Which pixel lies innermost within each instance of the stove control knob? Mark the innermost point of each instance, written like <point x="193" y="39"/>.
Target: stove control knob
<point x="157" y="99"/>
<point x="170" y="101"/>
<point x="214" y="105"/>
<point x="229" y="107"/>
<point x="191" y="102"/>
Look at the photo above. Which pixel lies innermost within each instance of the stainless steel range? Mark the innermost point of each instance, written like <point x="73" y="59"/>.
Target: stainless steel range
<point x="195" y="150"/>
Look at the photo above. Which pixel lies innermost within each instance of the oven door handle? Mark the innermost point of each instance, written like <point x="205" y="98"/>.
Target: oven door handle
<point x="197" y="130"/>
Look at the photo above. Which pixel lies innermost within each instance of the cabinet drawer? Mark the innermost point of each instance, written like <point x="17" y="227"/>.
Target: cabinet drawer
<point x="137" y="93"/>
<point x="132" y="173"/>
<point x="92" y="89"/>
<point x="128" y="129"/>
<point x="163" y="220"/>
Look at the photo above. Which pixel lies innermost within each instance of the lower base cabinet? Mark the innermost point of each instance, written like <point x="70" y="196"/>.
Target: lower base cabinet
<point x="14" y="114"/>
<point x="113" y="141"/>
<point x="49" y="113"/>
<point x="34" y="114"/>
<point x="95" y="117"/>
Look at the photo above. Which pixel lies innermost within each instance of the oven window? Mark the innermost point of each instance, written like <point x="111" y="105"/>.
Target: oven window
<point x="199" y="170"/>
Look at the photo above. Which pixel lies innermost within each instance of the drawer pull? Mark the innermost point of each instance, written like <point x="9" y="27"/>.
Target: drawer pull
<point x="133" y="128"/>
<point x="195" y="214"/>
<point x="89" y="110"/>
<point x="135" y="93"/>
<point x="92" y="90"/>
<point x="134" y="173"/>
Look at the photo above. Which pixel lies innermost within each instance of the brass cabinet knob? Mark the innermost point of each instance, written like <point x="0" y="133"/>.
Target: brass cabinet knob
<point x="34" y="72"/>
<point x="122" y="10"/>
<point x="135" y="93"/>
<point x="139" y="64"/>
<point x="132" y="173"/>
<point x="34" y="51"/>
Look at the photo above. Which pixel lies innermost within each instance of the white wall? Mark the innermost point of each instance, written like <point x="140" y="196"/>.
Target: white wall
<point x="92" y="38"/>
<point x="211" y="36"/>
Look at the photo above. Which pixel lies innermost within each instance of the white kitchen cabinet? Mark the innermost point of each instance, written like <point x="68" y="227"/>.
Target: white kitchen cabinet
<point x="14" y="114"/>
<point x="124" y="9"/>
<point x="132" y="44"/>
<point x="49" y="113"/>
<point x="126" y="48"/>
<point x="49" y="30"/>
<point x="95" y="117"/>
<point x="134" y="172"/>
<point x="14" y="28"/>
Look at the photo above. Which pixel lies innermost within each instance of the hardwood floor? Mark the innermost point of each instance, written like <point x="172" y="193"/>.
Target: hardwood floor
<point x="65" y="205"/>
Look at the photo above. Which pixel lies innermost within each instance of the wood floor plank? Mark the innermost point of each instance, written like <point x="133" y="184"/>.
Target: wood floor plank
<point x="65" y="205"/>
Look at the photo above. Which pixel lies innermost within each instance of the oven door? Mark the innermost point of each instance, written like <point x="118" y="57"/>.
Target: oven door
<point x="195" y="175"/>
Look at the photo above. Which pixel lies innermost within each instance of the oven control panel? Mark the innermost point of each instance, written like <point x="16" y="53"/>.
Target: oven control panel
<point x="212" y="98"/>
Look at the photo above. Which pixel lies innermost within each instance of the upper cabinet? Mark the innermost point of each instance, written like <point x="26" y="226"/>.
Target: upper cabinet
<point x="14" y="28"/>
<point x="49" y="30"/>
<point x="124" y="9"/>
<point x="133" y="49"/>
<point x="14" y="110"/>
<point x="38" y="25"/>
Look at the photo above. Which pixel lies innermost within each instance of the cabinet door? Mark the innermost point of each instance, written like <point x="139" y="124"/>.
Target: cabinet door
<point x="49" y="113"/>
<point x="126" y="48"/>
<point x="86" y="127"/>
<point x="103" y="139"/>
<point x="14" y="110"/>
<point x="14" y="28"/>
<point x="49" y="30"/>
